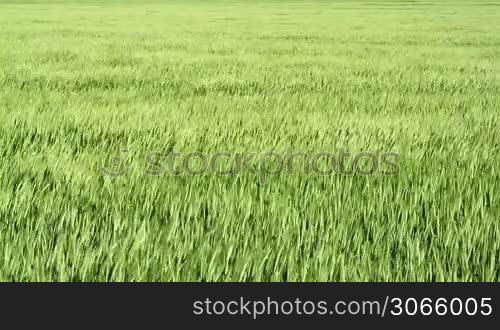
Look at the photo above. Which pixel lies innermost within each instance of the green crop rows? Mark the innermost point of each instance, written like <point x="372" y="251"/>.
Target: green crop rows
<point x="84" y="81"/>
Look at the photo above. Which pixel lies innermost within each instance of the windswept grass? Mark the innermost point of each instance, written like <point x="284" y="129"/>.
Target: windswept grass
<point x="83" y="81"/>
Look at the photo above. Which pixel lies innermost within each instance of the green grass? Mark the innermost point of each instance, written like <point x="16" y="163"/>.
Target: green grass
<point x="82" y="80"/>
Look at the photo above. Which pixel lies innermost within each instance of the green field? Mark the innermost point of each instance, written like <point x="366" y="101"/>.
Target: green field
<point x="84" y="81"/>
